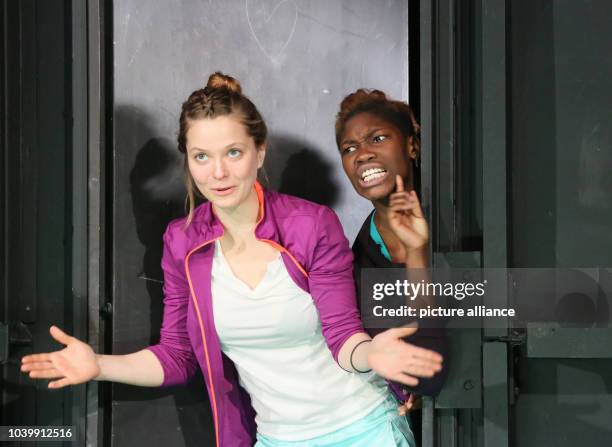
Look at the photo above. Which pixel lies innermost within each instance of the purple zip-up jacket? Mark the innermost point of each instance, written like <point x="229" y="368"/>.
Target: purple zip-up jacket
<point x="319" y="260"/>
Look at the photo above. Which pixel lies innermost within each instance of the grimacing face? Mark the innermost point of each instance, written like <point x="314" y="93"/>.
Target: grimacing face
<point x="223" y="159"/>
<point x="373" y="152"/>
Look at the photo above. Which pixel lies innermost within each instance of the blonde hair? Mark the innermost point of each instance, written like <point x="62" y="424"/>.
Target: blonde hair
<point x="221" y="96"/>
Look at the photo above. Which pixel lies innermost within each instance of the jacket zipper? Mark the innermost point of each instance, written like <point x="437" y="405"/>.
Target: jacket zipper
<point x="262" y="211"/>
<point x="284" y="250"/>
<point x="203" y="333"/>
<point x="206" y="356"/>
<point x="195" y="301"/>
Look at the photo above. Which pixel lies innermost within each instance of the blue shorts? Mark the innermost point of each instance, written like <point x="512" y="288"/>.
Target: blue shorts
<point x="382" y="427"/>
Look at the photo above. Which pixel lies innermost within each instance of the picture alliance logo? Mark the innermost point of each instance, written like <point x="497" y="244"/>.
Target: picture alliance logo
<point x="412" y="290"/>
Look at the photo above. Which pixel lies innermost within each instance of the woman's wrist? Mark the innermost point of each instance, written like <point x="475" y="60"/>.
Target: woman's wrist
<point x="417" y="258"/>
<point x="100" y="363"/>
<point x="357" y="357"/>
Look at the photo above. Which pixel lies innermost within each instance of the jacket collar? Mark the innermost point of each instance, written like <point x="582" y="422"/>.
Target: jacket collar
<point x="205" y="226"/>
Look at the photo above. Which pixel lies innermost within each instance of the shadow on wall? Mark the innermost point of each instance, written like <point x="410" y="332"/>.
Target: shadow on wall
<point x="157" y="196"/>
<point x="296" y="167"/>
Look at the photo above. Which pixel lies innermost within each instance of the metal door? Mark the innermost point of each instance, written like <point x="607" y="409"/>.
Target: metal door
<point x="519" y="99"/>
<point x="42" y="204"/>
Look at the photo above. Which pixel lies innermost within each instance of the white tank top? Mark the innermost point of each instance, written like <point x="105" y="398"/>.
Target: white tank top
<point x="273" y="335"/>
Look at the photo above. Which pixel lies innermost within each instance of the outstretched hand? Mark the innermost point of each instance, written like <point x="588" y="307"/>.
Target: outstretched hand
<point x="394" y="359"/>
<point x="74" y="364"/>
<point x="406" y="217"/>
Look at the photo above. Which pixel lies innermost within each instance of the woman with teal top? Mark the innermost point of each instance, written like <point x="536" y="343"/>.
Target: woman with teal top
<point x="379" y="146"/>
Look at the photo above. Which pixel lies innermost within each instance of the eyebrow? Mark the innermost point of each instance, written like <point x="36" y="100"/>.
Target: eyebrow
<point x="229" y="146"/>
<point x="368" y="135"/>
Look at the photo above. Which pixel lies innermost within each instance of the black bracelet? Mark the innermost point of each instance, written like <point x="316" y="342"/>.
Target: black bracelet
<point x="353" y="351"/>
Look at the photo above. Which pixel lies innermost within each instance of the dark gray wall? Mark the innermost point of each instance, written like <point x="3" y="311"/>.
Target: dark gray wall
<point x="296" y="60"/>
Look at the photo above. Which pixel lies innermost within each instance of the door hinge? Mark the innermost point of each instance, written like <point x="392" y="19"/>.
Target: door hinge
<point x="514" y="338"/>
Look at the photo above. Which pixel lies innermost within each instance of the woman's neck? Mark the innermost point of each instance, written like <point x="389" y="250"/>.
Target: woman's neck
<point x="239" y="222"/>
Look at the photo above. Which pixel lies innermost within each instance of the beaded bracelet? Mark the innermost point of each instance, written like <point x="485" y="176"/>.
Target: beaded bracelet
<point x="351" y="357"/>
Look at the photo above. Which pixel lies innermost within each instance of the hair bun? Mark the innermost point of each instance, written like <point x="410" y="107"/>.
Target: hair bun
<point x="218" y="80"/>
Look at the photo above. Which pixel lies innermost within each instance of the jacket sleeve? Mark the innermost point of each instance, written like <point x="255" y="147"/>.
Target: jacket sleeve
<point x="330" y="279"/>
<point x="174" y="349"/>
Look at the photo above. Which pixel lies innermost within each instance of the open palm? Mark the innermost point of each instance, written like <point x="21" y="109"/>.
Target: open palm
<point x="74" y="364"/>
<point x="393" y="358"/>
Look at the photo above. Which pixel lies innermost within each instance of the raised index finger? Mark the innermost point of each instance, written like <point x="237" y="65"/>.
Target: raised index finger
<point x="399" y="183"/>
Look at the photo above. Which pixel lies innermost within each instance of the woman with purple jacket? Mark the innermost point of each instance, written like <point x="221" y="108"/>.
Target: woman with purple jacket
<point x="259" y="293"/>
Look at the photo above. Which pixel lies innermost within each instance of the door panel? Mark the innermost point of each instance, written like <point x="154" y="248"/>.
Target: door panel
<point x="561" y="189"/>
